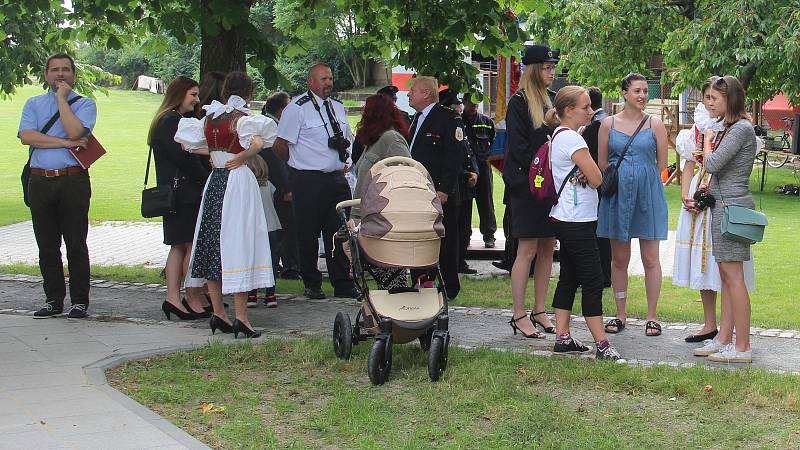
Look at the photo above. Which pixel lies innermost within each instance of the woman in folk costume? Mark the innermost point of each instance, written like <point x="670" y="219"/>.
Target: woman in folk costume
<point x="695" y="266"/>
<point x="231" y="250"/>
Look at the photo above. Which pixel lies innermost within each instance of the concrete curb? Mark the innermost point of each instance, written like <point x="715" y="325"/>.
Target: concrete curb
<point x="96" y="376"/>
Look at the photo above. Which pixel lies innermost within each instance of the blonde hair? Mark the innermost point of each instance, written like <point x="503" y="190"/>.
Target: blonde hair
<point x="259" y="168"/>
<point x="429" y="84"/>
<point x="532" y="86"/>
<point x="567" y="97"/>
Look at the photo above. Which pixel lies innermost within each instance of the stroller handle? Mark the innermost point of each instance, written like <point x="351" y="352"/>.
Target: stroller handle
<point x="347" y="204"/>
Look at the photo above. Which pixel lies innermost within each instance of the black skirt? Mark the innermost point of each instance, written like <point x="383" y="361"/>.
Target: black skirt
<point x="530" y="219"/>
<point x="179" y="227"/>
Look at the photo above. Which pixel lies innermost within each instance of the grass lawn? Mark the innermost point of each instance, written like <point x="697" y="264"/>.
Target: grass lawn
<point x="297" y="394"/>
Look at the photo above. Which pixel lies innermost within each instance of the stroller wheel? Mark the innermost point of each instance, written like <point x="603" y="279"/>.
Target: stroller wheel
<point x="380" y="360"/>
<point x="425" y="340"/>
<point x="342" y="336"/>
<point x="437" y="356"/>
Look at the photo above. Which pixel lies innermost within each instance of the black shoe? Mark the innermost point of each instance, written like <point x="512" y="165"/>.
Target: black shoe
<point x="573" y="346"/>
<point x="239" y="327"/>
<point x="352" y="292"/>
<point x="609" y="354"/>
<point x="216" y="322"/>
<point x="290" y="274"/>
<point x="488" y="243"/>
<point x="314" y="293"/>
<point x="78" y="311"/>
<point x="200" y="315"/>
<point x="50" y="309"/>
<point x="467" y="270"/>
<point x="701" y="337"/>
<point x="502" y="265"/>
<point x="170" y="309"/>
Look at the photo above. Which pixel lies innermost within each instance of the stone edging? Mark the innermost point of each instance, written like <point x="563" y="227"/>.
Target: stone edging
<point x="677" y="326"/>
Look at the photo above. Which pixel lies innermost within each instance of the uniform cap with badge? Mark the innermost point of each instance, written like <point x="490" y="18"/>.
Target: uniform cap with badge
<point x="448" y="97"/>
<point x="390" y="91"/>
<point x="540" y="53"/>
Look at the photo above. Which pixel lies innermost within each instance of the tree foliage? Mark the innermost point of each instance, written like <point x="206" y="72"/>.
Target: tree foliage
<point x="602" y="40"/>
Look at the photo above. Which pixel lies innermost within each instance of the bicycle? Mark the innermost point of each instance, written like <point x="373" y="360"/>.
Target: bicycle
<point x="779" y="148"/>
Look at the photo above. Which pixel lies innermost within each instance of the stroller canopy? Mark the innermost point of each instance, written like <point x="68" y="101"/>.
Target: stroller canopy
<point x="401" y="216"/>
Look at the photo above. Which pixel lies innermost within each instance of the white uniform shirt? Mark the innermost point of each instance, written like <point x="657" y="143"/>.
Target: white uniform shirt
<point x="576" y="203"/>
<point x="307" y="133"/>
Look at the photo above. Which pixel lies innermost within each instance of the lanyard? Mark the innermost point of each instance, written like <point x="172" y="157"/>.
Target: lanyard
<point x="334" y="124"/>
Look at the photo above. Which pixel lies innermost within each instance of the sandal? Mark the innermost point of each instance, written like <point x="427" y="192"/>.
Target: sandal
<point x="652" y="328"/>
<point x="548" y="330"/>
<point x="617" y="324"/>
<point x="535" y="335"/>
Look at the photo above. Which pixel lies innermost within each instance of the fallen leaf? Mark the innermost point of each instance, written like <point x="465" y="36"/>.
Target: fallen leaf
<point x="208" y="407"/>
<point x="708" y="388"/>
<point x="522" y="370"/>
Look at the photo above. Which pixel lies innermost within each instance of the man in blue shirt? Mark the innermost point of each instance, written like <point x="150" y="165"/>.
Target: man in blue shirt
<point x="59" y="188"/>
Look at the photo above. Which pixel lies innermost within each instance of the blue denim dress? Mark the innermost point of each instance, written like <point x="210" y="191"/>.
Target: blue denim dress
<point x="639" y="209"/>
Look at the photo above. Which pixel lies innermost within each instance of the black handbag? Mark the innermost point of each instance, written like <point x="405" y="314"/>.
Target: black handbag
<point x="610" y="178"/>
<point x="160" y="200"/>
<point x="26" y="169"/>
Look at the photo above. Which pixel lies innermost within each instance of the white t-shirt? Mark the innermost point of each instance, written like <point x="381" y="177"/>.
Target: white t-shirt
<point x="576" y="203"/>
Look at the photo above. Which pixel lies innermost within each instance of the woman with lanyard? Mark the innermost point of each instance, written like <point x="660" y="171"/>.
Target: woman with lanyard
<point x="530" y="224"/>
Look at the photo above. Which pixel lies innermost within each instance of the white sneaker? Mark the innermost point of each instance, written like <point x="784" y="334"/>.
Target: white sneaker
<point x="710" y="346"/>
<point x="730" y="355"/>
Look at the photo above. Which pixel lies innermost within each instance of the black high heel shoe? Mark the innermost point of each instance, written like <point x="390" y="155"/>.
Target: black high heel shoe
<point x="200" y="315"/>
<point x="535" y="335"/>
<point x="239" y="327"/>
<point x="549" y="330"/>
<point x="216" y="322"/>
<point x="170" y="309"/>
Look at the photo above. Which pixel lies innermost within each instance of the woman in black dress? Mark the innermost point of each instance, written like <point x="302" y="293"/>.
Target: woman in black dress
<point x="180" y="100"/>
<point x="530" y="222"/>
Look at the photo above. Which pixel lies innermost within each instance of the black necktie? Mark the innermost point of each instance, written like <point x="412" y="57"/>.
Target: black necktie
<point x="413" y="128"/>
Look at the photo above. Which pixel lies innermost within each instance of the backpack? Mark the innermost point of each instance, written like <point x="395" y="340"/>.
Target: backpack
<point x="540" y="177"/>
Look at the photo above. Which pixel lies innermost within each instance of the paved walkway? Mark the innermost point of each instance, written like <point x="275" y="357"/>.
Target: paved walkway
<point x="53" y="393"/>
<point x="140" y="244"/>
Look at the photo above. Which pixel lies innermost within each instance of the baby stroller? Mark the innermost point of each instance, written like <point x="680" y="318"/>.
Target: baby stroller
<point x="401" y="227"/>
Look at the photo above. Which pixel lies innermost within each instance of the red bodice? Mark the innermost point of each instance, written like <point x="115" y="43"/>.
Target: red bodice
<point x="221" y="133"/>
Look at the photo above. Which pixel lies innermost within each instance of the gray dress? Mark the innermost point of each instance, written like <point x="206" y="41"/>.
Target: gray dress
<point x="730" y="166"/>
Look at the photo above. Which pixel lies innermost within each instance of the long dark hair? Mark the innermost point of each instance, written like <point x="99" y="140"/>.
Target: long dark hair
<point x="380" y="114"/>
<point x="176" y="92"/>
<point x="237" y="83"/>
<point x="211" y="87"/>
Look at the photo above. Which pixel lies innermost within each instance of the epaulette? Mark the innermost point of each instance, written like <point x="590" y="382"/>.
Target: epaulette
<point x="303" y="100"/>
<point x="336" y="100"/>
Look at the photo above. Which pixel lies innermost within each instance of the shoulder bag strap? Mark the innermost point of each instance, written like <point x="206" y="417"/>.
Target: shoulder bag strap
<point x="571" y="172"/>
<point x="630" y="140"/>
<point x="52" y="122"/>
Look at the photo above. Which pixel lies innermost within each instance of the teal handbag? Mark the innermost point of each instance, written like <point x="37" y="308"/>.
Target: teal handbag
<point x="742" y="224"/>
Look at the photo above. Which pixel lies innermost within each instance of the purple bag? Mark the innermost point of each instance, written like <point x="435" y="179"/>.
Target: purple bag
<point x="540" y="177"/>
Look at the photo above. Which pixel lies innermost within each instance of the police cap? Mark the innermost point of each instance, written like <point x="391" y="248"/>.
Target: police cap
<point x="390" y="90"/>
<point x="539" y="53"/>
<point x="448" y="97"/>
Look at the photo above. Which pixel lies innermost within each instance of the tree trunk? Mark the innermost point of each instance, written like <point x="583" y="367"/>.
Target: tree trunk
<point x="224" y="52"/>
<point x="747" y="74"/>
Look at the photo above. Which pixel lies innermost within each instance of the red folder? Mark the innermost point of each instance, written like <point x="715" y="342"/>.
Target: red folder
<point x="86" y="156"/>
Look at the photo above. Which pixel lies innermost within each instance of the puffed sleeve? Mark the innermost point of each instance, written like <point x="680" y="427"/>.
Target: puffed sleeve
<point x="190" y="133"/>
<point x="685" y="144"/>
<point x="249" y="126"/>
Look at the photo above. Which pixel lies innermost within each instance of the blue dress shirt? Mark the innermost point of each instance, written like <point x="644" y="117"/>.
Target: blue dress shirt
<point x="35" y="114"/>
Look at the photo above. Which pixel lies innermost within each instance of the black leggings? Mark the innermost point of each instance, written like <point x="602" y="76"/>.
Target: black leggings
<point x="579" y="258"/>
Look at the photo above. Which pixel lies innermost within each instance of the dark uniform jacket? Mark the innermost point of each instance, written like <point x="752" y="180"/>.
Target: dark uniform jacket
<point x="522" y="143"/>
<point x="439" y="147"/>
<point x="469" y="164"/>
<point x="591" y="132"/>
<point x="480" y="132"/>
<point x="170" y="159"/>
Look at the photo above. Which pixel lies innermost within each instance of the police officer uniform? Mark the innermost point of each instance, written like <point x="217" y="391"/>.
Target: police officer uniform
<point x="435" y="140"/>
<point x="317" y="179"/>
